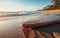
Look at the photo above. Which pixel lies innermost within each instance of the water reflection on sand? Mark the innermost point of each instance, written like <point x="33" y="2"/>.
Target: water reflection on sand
<point x="9" y="26"/>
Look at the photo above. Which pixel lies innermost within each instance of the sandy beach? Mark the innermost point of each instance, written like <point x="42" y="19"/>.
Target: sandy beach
<point x="11" y="25"/>
<point x="56" y="11"/>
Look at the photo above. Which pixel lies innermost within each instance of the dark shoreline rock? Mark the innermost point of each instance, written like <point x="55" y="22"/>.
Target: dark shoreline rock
<point x="42" y="32"/>
<point x="33" y="25"/>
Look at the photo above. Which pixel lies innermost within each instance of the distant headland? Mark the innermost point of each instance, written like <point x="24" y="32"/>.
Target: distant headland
<point x="52" y="9"/>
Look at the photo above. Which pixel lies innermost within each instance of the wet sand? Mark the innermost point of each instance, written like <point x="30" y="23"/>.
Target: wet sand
<point x="9" y="29"/>
<point x="12" y="30"/>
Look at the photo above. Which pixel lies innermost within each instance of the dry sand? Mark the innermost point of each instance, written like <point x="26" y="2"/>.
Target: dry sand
<point x="57" y="11"/>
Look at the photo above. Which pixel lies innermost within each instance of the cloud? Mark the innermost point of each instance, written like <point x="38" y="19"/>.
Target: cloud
<point x="25" y="8"/>
<point x="4" y="6"/>
<point x="9" y="6"/>
<point x="5" y="3"/>
<point x="19" y="5"/>
<point x="31" y="8"/>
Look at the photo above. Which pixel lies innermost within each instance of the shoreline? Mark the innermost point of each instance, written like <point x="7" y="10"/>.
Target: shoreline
<point x="57" y="11"/>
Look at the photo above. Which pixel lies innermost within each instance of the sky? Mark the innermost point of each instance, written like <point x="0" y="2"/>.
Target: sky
<point x="23" y="5"/>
